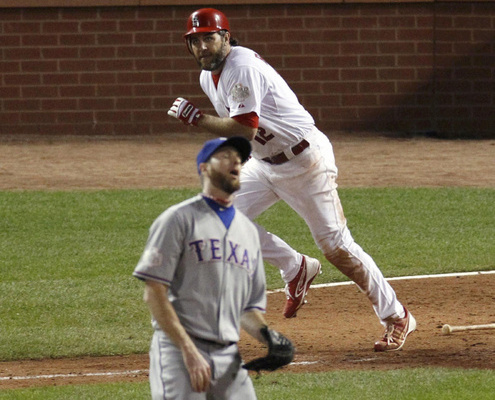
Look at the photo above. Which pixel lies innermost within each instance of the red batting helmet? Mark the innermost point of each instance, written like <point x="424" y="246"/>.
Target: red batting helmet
<point x="206" y="20"/>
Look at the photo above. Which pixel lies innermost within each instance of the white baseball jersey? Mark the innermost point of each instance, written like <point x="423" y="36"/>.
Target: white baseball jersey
<point x="210" y="258"/>
<point x="307" y="182"/>
<point x="249" y="84"/>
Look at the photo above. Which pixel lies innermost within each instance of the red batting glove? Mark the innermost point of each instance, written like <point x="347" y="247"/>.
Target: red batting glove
<point x="186" y="111"/>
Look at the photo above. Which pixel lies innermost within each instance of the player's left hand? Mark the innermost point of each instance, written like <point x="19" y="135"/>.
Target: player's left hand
<point x="185" y="111"/>
<point x="280" y="352"/>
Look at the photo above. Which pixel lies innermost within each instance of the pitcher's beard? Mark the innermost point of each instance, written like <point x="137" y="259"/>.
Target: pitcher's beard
<point x="221" y="182"/>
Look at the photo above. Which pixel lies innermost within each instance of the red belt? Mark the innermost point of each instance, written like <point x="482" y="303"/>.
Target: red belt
<point x="282" y="158"/>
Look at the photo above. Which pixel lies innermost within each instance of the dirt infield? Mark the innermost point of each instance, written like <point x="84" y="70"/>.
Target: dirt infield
<point x="54" y="163"/>
<point x="337" y="328"/>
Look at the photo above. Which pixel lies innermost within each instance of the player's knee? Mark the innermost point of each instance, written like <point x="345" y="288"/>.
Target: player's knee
<point x="333" y="246"/>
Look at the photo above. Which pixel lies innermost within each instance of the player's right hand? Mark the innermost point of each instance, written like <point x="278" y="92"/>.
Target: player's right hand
<point x="199" y="370"/>
<point x="185" y="111"/>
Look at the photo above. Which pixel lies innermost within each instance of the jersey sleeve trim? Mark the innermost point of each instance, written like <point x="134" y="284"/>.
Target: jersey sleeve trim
<point x="250" y="119"/>
<point x="147" y="277"/>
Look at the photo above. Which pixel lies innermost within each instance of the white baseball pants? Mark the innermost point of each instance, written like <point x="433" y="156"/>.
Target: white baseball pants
<point x="307" y="183"/>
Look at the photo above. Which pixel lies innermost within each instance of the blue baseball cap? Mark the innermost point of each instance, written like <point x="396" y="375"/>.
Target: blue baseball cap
<point x="239" y="143"/>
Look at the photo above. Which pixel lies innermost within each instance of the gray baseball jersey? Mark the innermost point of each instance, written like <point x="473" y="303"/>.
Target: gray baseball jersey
<point x="210" y="258"/>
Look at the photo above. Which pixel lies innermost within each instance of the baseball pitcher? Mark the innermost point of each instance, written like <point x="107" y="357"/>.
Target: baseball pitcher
<point x="204" y="278"/>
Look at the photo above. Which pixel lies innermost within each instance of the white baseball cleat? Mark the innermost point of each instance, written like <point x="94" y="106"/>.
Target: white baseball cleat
<point x="298" y="287"/>
<point x="396" y="333"/>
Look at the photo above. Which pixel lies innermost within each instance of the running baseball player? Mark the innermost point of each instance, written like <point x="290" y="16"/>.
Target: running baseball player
<point x="204" y="277"/>
<point x="291" y="161"/>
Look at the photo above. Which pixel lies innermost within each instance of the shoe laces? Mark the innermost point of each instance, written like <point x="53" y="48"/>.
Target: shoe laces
<point x="389" y="331"/>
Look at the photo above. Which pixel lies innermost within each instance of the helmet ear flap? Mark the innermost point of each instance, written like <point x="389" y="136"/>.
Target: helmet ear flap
<point x="187" y="39"/>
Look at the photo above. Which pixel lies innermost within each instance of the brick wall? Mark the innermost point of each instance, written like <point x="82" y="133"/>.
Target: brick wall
<point x="411" y="67"/>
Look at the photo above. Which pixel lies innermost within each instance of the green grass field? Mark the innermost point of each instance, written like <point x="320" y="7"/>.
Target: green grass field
<point x="66" y="286"/>
<point x="414" y="384"/>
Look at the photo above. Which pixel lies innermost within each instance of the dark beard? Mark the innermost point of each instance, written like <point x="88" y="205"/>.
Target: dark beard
<point x="221" y="182"/>
<point x="216" y="62"/>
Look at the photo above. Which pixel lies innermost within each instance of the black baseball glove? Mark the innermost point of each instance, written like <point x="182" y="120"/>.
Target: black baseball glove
<point x="280" y="352"/>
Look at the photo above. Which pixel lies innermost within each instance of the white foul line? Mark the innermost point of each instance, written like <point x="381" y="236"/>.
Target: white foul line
<point x="116" y="373"/>
<point x="21" y="378"/>
<point x="303" y="363"/>
<point x="323" y="285"/>
<point x="398" y="278"/>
